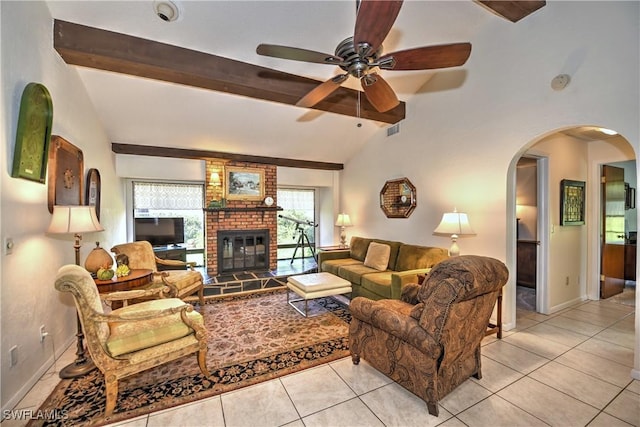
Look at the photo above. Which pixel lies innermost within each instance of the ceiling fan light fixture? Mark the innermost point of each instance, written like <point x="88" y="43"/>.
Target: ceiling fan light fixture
<point x="166" y="10"/>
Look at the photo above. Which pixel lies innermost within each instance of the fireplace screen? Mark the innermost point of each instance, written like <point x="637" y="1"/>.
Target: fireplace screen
<point x="243" y="250"/>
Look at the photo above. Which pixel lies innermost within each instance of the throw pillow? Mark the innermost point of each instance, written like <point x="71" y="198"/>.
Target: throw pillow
<point x="377" y="256"/>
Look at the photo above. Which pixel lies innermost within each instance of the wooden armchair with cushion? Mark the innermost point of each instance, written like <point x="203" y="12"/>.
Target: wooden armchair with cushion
<point x="429" y="341"/>
<point x="133" y="338"/>
<point x="182" y="283"/>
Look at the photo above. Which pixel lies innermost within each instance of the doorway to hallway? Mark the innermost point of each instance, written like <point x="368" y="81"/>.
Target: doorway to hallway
<point x="527" y="241"/>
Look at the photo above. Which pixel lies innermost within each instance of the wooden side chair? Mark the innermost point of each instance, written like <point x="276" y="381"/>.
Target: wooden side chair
<point x="136" y="337"/>
<point x="182" y="283"/>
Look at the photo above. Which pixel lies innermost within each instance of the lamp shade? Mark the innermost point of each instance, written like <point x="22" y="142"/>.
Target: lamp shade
<point x="74" y="220"/>
<point x="214" y="179"/>
<point x="343" y="220"/>
<point x="454" y="223"/>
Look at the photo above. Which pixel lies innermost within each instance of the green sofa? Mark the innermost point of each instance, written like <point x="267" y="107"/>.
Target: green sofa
<point x="405" y="263"/>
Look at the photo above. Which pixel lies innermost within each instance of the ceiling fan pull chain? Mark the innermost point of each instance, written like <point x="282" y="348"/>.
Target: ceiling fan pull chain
<point x="358" y="111"/>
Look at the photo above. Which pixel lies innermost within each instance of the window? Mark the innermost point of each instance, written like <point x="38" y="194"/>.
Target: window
<point x="297" y="217"/>
<point x="174" y="199"/>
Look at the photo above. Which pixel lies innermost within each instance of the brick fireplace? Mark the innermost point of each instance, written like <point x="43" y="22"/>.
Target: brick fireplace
<point x="241" y="219"/>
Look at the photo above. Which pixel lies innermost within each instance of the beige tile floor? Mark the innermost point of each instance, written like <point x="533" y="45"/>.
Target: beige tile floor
<point x="569" y="369"/>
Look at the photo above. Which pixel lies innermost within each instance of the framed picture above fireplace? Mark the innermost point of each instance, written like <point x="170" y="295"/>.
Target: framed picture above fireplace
<point x="244" y="183"/>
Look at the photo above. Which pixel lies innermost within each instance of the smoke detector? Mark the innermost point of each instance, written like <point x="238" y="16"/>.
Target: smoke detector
<point x="560" y="81"/>
<point x="166" y="10"/>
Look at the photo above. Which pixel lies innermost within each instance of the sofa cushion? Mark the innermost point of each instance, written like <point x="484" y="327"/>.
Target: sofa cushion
<point x="354" y="272"/>
<point x="377" y="256"/>
<point x="393" y="254"/>
<point x="333" y="265"/>
<point x="358" y="248"/>
<point x="378" y="283"/>
<point x="412" y="257"/>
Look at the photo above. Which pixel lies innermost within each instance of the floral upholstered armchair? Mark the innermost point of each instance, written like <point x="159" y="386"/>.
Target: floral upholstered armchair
<point x="136" y="337"/>
<point x="182" y="283"/>
<point x="429" y="341"/>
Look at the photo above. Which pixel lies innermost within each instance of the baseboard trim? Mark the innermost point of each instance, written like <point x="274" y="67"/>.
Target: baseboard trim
<point x="568" y="304"/>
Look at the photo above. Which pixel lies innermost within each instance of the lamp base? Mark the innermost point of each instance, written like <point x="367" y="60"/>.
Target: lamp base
<point x="83" y="364"/>
<point x="454" y="250"/>
<point x="75" y="369"/>
<point x="343" y="237"/>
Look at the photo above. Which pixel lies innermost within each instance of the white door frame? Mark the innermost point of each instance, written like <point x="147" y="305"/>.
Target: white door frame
<point x="544" y="225"/>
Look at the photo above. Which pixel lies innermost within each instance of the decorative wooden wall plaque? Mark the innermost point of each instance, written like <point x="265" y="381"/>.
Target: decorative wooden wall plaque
<point x="66" y="170"/>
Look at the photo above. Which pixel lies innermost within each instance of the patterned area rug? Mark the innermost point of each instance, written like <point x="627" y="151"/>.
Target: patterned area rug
<point x="251" y="339"/>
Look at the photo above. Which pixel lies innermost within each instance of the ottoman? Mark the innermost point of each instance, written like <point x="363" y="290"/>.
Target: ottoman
<point x="315" y="285"/>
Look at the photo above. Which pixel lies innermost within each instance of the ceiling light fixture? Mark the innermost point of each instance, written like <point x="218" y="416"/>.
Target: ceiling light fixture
<point x="166" y="10"/>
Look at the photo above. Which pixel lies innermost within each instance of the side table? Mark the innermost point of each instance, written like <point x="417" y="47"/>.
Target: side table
<point x="138" y="278"/>
<point x="333" y="248"/>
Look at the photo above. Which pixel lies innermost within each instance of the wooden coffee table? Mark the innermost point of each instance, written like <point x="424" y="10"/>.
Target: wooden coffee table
<point x="138" y="278"/>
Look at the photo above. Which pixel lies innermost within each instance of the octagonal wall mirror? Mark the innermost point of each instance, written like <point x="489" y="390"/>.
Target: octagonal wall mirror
<point x="398" y="198"/>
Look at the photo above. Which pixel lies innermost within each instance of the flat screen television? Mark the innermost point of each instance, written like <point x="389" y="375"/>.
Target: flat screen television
<point x="159" y="231"/>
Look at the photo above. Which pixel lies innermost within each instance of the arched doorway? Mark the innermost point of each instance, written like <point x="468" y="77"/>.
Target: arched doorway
<point x="568" y="258"/>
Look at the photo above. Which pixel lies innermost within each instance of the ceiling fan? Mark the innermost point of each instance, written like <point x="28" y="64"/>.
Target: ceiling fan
<point x="359" y="56"/>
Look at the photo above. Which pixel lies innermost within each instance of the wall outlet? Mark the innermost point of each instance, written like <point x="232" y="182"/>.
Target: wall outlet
<point x="566" y="281"/>
<point x="43" y="333"/>
<point x="13" y="356"/>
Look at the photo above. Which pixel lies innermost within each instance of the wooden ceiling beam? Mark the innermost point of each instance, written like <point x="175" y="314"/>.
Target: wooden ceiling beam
<point x="513" y="10"/>
<point x="182" y="153"/>
<point x="107" y="50"/>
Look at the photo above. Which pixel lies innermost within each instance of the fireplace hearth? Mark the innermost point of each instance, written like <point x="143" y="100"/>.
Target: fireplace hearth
<point x="243" y="250"/>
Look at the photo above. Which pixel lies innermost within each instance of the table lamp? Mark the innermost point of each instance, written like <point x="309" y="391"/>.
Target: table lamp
<point x="75" y="220"/>
<point x="342" y="222"/>
<point x="454" y="224"/>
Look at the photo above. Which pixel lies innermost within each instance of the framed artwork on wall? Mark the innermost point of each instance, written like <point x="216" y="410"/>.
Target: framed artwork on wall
<point x="92" y="192"/>
<point x="65" y="176"/>
<point x="572" y="202"/>
<point x="244" y="183"/>
<point x="30" y="154"/>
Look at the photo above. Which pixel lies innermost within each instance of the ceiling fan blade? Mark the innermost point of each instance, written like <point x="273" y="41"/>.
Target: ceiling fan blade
<point x="297" y="54"/>
<point x="321" y="91"/>
<point x="379" y="93"/>
<point x="427" y="57"/>
<point x="374" y="21"/>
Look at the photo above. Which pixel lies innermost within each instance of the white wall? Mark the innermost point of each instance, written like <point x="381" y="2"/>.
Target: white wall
<point x="28" y="298"/>
<point x="567" y="244"/>
<point x="457" y="146"/>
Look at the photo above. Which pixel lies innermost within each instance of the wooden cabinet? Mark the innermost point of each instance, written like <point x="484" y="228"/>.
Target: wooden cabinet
<point x="527" y="256"/>
<point x="177" y="254"/>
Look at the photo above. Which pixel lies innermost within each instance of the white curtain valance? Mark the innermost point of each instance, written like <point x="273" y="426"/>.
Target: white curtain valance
<point x="160" y="195"/>
<point x="296" y="200"/>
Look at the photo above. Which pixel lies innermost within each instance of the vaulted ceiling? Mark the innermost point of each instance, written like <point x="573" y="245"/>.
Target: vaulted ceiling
<point x="198" y="84"/>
